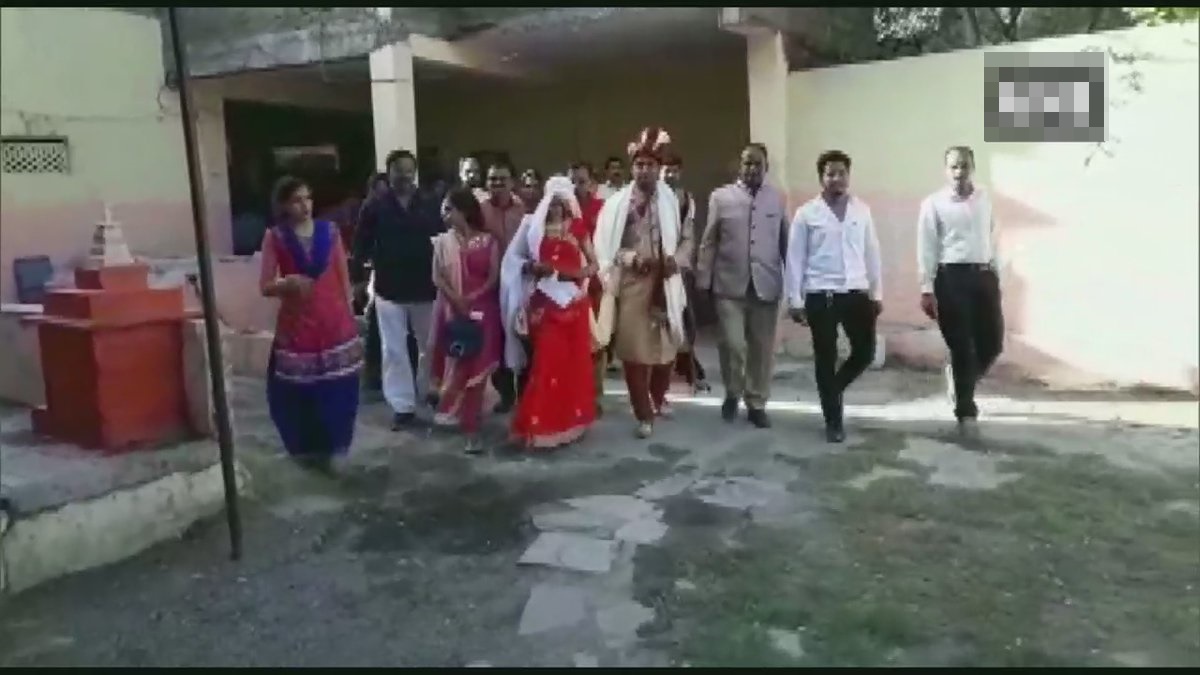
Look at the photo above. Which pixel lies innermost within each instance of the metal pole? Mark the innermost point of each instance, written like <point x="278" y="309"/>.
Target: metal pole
<point x="212" y="332"/>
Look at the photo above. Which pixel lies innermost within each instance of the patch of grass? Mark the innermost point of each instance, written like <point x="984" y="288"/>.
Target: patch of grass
<point x="1065" y="566"/>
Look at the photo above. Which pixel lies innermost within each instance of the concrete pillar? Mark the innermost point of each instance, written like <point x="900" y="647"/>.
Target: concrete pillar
<point x="767" y="75"/>
<point x="393" y="100"/>
<point x="208" y="101"/>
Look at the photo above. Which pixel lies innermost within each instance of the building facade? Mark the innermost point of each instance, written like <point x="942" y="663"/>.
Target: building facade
<point x="551" y="86"/>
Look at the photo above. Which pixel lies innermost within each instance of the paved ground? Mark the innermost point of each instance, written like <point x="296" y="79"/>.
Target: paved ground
<point x="1070" y="538"/>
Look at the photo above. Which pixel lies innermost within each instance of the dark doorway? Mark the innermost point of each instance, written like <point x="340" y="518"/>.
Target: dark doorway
<point x="332" y="150"/>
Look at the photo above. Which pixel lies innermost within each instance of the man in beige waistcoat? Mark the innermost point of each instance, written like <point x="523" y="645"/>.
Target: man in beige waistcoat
<point x="740" y="261"/>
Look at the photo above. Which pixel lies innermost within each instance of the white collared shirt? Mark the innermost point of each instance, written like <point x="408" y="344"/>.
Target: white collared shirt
<point x="604" y="190"/>
<point x="953" y="229"/>
<point x="825" y="254"/>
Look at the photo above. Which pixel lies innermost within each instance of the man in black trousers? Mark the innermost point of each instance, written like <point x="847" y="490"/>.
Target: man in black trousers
<point x="960" y="285"/>
<point x="833" y="277"/>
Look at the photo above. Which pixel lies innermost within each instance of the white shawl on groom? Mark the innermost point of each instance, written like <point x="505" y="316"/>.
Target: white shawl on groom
<point x="610" y="226"/>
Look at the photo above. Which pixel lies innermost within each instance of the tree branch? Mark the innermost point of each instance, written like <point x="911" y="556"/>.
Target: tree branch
<point x="1014" y="18"/>
<point x="1006" y="25"/>
<point x="974" y="35"/>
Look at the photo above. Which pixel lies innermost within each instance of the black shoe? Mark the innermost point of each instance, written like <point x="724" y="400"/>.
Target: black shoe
<point x="503" y="407"/>
<point x="758" y="418"/>
<point x="835" y="434"/>
<point x="729" y="409"/>
<point x="403" y="421"/>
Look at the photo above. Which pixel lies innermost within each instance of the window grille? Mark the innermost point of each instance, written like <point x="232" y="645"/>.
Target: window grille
<point x="34" y="155"/>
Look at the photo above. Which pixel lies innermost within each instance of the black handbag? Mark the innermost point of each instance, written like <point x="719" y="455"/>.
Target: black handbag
<point x="464" y="337"/>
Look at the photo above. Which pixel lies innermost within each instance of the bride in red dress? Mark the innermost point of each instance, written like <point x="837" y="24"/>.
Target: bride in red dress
<point x="549" y="263"/>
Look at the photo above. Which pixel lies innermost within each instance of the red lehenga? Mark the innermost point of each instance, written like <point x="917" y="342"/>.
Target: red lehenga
<point x="558" y="404"/>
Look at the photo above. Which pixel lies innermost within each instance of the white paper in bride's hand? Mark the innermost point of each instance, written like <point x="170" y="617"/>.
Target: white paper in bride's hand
<point x="561" y="293"/>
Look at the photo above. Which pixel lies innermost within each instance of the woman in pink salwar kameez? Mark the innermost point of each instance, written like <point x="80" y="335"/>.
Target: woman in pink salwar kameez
<point x="466" y="271"/>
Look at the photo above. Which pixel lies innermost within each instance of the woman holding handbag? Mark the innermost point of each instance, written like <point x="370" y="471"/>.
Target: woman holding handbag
<point x="467" y="339"/>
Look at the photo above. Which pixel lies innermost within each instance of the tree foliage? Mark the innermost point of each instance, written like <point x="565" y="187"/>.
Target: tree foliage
<point x="1152" y="16"/>
<point x="838" y="35"/>
<point x="817" y="37"/>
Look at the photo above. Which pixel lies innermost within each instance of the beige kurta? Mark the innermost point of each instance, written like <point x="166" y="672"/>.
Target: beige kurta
<point x="642" y="334"/>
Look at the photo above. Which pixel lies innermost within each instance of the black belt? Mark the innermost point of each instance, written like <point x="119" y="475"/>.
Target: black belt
<point x="978" y="267"/>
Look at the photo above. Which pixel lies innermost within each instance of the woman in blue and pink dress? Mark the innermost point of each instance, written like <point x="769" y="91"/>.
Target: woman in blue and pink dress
<point x="313" y="373"/>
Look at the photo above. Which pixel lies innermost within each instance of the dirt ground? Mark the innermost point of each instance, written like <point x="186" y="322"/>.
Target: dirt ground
<point x="1068" y="537"/>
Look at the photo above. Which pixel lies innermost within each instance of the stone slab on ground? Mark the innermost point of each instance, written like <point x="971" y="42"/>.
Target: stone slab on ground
<point x="738" y="492"/>
<point x="954" y="467"/>
<point x="553" y="519"/>
<point x="622" y="507"/>
<point x="666" y="487"/>
<point x="570" y="551"/>
<point x="619" y="623"/>
<point x="642" y="531"/>
<point x="552" y="606"/>
<point x="786" y="642"/>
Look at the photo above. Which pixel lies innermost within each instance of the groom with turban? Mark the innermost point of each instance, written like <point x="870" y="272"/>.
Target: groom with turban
<point x="641" y="249"/>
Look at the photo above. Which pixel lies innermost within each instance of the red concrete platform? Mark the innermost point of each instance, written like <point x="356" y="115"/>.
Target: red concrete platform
<point x="112" y="361"/>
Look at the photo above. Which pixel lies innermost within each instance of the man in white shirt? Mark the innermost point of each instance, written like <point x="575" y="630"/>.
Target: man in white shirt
<point x="960" y="288"/>
<point x="833" y="278"/>
<point x="614" y="173"/>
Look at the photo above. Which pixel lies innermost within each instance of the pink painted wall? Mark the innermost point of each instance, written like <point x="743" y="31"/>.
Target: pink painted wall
<point x="127" y="149"/>
<point x="101" y="88"/>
